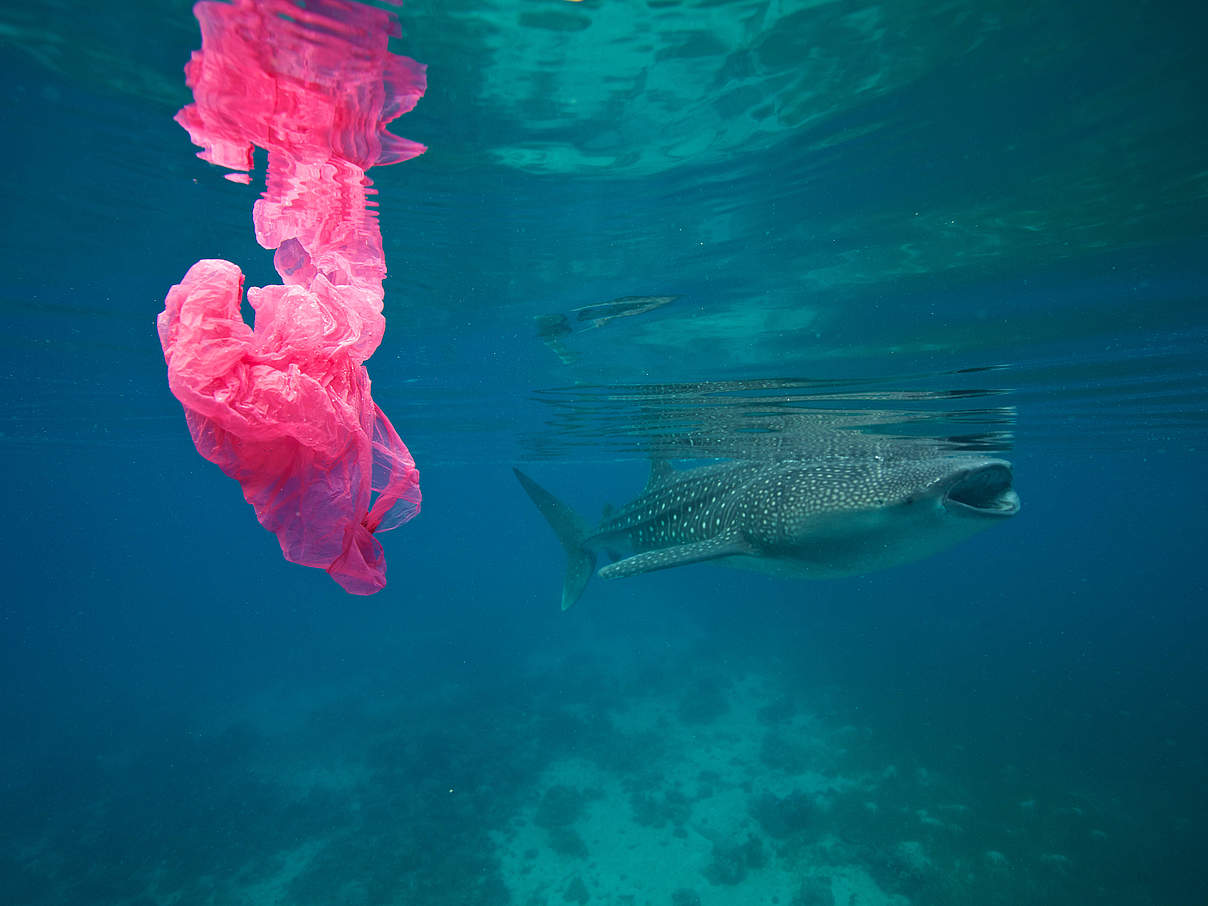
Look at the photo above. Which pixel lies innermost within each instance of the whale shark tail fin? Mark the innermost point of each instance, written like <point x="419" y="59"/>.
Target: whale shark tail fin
<point x="571" y="530"/>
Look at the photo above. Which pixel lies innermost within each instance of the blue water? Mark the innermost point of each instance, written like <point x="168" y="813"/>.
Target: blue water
<point x="976" y="221"/>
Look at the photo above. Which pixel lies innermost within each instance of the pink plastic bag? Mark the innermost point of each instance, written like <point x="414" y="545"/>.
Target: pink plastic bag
<point x="285" y="408"/>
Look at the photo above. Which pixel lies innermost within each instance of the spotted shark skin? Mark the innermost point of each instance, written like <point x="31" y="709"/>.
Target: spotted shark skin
<point x="830" y="517"/>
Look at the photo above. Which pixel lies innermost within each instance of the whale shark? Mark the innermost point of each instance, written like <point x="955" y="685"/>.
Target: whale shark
<point x="821" y="517"/>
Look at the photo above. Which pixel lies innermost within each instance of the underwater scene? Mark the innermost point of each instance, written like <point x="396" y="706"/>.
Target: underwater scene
<point x="755" y="447"/>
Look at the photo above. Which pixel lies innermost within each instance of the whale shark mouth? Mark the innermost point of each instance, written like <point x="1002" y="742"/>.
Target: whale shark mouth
<point x="985" y="491"/>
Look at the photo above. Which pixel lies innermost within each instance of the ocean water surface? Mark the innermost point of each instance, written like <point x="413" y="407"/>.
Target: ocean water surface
<point x="982" y="225"/>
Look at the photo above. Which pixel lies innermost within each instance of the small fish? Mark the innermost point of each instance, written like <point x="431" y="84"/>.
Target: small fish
<point x="825" y="517"/>
<point x="601" y="313"/>
<point x="552" y="328"/>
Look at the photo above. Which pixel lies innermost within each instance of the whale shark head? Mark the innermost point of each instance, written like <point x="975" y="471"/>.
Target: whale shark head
<point x="979" y="491"/>
<point x="841" y="521"/>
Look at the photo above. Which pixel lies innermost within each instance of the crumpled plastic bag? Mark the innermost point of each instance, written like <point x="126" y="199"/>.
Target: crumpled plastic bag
<point x="285" y="407"/>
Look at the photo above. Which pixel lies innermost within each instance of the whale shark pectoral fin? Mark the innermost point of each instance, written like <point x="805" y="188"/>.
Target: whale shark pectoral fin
<point x="727" y="544"/>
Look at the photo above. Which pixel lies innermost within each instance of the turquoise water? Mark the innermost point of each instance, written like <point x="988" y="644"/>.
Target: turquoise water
<point x="977" y="222"/>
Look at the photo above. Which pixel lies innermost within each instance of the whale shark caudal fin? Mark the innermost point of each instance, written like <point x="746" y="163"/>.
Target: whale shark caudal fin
<point x="571" y="530"/>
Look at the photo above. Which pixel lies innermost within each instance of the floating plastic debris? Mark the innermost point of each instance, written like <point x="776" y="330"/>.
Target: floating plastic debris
<point x="285" y="408"/>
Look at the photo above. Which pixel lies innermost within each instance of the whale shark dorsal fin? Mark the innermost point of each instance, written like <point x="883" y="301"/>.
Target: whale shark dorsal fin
<point x="727" y="544"/>
<point x="660" y="473"/>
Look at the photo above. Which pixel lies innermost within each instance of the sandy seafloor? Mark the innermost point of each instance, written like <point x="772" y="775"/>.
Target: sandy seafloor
<point x="740" y="792"/>
<point x="599" y="774"/>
